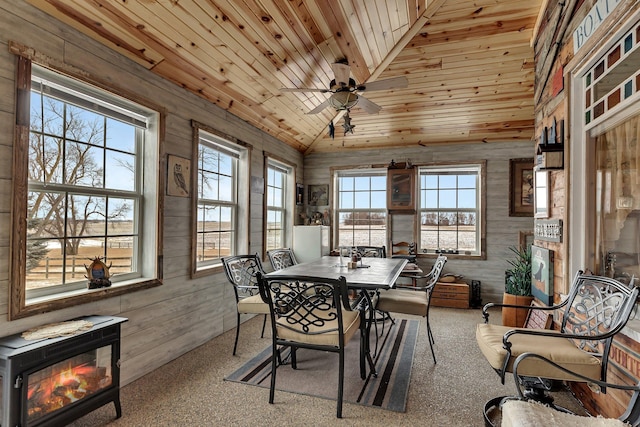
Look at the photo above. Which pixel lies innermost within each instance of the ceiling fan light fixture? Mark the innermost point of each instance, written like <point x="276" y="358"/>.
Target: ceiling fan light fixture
<point x="343" y="100"/>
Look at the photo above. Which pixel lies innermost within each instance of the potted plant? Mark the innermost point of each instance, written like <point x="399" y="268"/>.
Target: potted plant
<point x="517" y="287"/>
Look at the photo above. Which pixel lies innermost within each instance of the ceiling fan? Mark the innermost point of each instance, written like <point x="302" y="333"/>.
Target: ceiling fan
<point x="344" y="90"/>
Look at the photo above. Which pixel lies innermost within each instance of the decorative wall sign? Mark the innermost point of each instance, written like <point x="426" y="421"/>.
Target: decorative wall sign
<point x="178" y="176"/>
<point x="318" y="195"/>
<point x="521" y="187"/>
<point x="542" y="274"/>
<point x="549" y="230"/>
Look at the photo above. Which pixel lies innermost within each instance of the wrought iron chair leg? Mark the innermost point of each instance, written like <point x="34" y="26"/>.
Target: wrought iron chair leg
<point x="274" y="368"/>
<point x="264" y="323"/>
<point x="235" y="345"/>
<point x="340" y="383"/>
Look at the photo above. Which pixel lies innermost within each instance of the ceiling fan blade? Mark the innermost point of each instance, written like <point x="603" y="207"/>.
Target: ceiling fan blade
<point x="303" y="89"/>
<point x="368" y="106"/>
<point x="341" y="73"/>
<point x="319" y="107"/>
<point x="386" y="84"/>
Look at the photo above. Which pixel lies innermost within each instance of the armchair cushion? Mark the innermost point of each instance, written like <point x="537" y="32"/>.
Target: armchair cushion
<point x="316" y="336"/>
<point x="403" y="301"/>
<point x="560" y="350"/>
<point x="253" y="304"/>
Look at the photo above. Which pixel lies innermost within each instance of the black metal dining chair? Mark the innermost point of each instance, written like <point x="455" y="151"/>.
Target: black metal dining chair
<point x="312" y="313"/>
<point x="281" y="258"/>
<point x="242" y="271"/>
<point x="414" y="300"/>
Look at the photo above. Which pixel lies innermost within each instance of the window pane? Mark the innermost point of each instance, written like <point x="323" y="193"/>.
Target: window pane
<point x="120" y="173"/>
<point x="447" y="181"/>
<point x="379" y="183"/>
<point x="121" y="136"/>
<point x="83" y="165"/>
<point x="346" y="200"/>
<point x="447" y="199"/>
<point x="120" y="217"/>
<point x="362" y="200"/>
<point x="466" y="199"/>
<point x="226" y="188"/>
<point x="53" y="116"/>
<point x="208" y="185"/>
<point x="379" y="200"/>
<point x="120" y="255"/>
<point x="362" y="183"/>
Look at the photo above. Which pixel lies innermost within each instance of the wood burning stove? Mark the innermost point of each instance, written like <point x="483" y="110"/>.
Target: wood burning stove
<point x="51" y="382"/>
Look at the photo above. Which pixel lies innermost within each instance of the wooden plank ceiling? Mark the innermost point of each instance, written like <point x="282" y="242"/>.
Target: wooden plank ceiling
<point x="469" y="64"/>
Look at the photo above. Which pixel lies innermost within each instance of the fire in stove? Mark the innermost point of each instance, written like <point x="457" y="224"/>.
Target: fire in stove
<point x="64" y="383"/>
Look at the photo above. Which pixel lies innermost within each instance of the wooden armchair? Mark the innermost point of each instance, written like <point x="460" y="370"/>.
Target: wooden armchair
<point x="595" y="310"/>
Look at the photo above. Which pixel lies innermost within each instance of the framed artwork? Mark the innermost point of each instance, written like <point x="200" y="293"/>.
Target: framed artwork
<point x="257" y="184"/>
<point x="318" y="195"/>
<point x="521" y="187"/>
<point x="178" y="176"/>
<point x="401" y="197"/>
<point x="299" y="194"/>
<point x="542" y="274"/>
<point x="525" y="238"/>
<point x="541" y="194"/>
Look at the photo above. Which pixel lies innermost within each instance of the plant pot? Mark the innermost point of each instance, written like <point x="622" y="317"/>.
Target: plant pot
<point x="515" y="317"/>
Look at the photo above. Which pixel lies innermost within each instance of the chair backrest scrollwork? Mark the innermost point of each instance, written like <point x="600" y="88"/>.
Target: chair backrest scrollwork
<point x="305" y="304"/>
<point x="281" y="258"/>
<point x="242" y="271"/>
<point x="597" y="305"/>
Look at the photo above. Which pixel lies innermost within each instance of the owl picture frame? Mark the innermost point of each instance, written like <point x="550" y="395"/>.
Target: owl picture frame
<point x="178" y="176"/>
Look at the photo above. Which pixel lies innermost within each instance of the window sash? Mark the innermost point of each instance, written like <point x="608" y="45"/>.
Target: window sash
<point x="443" y="235"/>
<point x="70" y="92"/>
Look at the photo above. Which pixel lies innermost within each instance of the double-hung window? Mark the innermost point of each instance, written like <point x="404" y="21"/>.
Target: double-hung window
<point x="220" y="220"/>
<point x="450" y="200"/>
<point x="279" y="178"/>
<point x="91" y="178"/>
<point x="361" y="207"/>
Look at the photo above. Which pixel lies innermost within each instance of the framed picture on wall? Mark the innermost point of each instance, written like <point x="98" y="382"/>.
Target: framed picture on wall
<point x="542" y="274"/>
<point x="318" y="195"/>
<point x="401" y="197"/>
<point x="178" y="176"/>
<point x="521" y="187"/>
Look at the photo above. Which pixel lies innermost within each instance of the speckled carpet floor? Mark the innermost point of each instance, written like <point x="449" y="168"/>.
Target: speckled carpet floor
<point x="191" y="391"/>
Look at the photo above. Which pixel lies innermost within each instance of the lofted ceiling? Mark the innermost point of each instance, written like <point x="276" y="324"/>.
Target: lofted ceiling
<point x="469" y="64"/>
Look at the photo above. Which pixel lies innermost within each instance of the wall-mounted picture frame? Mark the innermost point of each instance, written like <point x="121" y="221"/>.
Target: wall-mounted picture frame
<point x="541" y="194"/>
<point x="542" y="274"/>
<point x="401" y="197"/>
<point x="299" y="194"/>
<point x="318" y="195"/>
<point x="178" y="176"/>
<point x="521" y="187"/>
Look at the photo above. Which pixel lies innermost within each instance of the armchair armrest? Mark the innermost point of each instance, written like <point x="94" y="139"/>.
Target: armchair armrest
<point x="485" y="309"/>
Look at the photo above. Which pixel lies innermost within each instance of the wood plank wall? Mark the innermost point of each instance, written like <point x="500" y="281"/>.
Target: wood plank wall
<point x="502" y="230"/>
<point x="169" y="320"/>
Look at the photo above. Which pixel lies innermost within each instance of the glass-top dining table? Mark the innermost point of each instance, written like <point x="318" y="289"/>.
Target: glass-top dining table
<point x="372" y="274"/>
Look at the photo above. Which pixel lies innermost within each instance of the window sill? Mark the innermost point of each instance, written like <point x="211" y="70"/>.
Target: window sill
<point x="72" y="298"/>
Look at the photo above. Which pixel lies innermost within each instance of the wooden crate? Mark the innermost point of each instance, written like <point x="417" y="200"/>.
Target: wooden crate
<point x="454" y="295"/>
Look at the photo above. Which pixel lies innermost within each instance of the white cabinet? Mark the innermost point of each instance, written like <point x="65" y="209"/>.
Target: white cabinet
<point x="310" y="242"/>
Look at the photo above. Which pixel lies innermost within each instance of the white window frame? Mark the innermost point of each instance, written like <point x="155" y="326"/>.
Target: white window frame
<point x="381" y="196"/>
<point x="147" y="262"/>
<point x="239" y="202"/>
<point x="477" y="168"/>
<point x="285" y="208"/>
